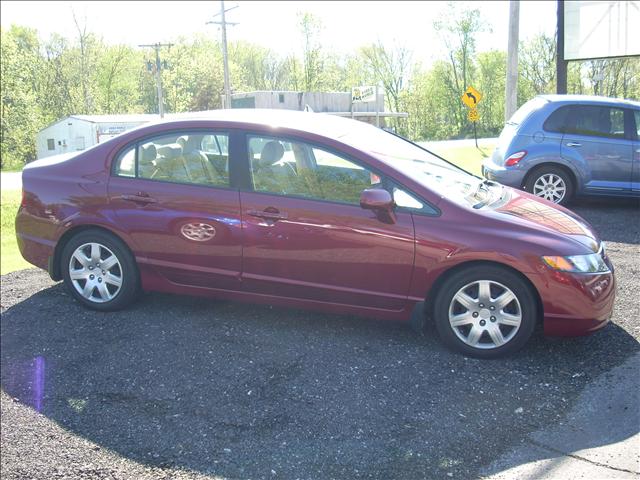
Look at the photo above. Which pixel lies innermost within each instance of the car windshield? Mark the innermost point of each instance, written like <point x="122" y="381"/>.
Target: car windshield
<point x="421" y="165"/>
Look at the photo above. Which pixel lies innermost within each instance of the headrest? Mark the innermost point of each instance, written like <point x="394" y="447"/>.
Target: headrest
<point x="170" y="151"/>
<point x="148" y="153"/>
<point x="193" y="143"/>
<point x="182" y="141"/>
<point x="271" y="153"/>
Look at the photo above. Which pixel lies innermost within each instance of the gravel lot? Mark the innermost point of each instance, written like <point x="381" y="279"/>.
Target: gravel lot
<point x="180" y="387"/>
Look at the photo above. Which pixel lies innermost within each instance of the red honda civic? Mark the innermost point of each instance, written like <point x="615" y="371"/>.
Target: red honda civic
<point x="310" y="210"/>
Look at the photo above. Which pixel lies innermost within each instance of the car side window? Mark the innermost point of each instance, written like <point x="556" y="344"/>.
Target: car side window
<point x="557" y="121"/>
<point x="125" y="164"/>
<point x="192" y="157"/>
<point x="596" y="121"/>
<point x="636" y="113"/>
<point x="286" y="167"/>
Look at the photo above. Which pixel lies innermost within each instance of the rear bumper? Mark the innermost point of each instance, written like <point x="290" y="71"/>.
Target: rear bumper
<point x="512" y="177"/>
<point x="575" y="304"/>
<point x="36" y="251"/>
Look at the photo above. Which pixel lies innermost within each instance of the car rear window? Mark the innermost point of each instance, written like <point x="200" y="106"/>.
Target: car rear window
<point x="525" y="110"/>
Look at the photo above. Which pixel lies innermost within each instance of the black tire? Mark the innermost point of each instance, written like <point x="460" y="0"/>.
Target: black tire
<point x="497" y="277"/>
<point x="129" y="276"/>
<point x="540" y="173"/>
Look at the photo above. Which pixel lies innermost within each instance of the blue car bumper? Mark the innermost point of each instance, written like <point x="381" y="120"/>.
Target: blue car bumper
<point x="512" y="177"/>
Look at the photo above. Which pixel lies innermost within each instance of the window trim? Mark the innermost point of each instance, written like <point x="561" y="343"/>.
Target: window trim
<point x="428" y="210"/>
<point x="137" y="142"/>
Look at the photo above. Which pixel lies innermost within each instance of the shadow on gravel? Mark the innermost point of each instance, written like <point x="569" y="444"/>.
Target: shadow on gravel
<point x="240" y="390"/>
<point x="615" y="219"/>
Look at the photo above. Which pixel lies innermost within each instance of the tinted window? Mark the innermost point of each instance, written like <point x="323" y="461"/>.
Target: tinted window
<point x="636" y="113"/>
<point x="589" y="120"/>
<point x="197" y="158"/>
<point x="557" y="121"/>
<point x="294" y="168"/>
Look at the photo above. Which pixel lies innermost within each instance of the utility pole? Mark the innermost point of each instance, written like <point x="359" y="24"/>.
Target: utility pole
<point x="561" y="63"/>
<point x="511" y="96"/>
<point x="158" y="70"/>
<point x="225" y="57"/>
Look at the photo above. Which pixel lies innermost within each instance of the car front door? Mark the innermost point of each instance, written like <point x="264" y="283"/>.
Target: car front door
<point x="596" y="139"/>
<point x="173" y="196"/>
<point x="306" y="236"/>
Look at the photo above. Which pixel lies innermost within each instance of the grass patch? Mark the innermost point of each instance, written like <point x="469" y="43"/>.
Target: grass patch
<point x="10" y="258"/>
<point x="468" y="158"/>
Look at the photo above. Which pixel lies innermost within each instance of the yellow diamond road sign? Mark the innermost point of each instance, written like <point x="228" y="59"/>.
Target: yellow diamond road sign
<point x="473" y="115"/>
<point x="471" y="97"/>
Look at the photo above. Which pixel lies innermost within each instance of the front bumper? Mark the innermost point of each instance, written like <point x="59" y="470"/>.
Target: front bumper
<point x="575" y="304"/>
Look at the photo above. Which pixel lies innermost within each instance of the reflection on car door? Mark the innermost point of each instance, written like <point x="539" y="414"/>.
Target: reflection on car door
<point x="596" y="138"/>
<point x="306" y="236"/>
<point x="177" y="206"/>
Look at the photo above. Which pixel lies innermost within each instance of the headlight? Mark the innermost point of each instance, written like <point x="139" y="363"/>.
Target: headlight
<point x="592" y="263"/>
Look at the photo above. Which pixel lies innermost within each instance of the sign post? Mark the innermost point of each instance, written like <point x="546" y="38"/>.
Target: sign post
<point x="471" y="97"/>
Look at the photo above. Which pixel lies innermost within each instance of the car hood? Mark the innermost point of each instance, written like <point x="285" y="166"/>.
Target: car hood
<point x="530" y="212"/>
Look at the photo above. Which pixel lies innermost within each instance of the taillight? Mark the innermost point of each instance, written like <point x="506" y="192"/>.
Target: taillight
<point x="515" y="158"/>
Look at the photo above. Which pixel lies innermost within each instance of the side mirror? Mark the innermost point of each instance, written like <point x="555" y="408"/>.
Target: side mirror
<point x="379" y="201"/>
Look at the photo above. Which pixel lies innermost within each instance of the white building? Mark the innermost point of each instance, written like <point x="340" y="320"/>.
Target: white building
<point x="78" y="132"/>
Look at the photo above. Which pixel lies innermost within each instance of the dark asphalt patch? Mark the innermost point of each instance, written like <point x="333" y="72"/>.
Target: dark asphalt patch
<point x="185" y="387"/>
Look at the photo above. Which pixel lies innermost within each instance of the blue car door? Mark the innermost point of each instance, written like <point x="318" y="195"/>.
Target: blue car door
<point x="597" y="141"/>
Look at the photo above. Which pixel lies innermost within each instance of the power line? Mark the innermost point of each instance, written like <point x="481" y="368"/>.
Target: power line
<point x="225" y="57"/>
<point x="158" y="69"/>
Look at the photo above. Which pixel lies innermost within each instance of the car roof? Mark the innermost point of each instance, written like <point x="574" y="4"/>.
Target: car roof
<point x="590" y="100"/>
<point x="317" y="123"/>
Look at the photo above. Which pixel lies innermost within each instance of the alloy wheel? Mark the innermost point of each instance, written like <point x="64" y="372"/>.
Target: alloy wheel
<point x="485" y="314"/>
<point x="550" y="187"/>
<point x="95" y="272"/>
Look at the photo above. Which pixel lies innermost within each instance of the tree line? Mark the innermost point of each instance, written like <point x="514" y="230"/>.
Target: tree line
<point x="45" y="80"/>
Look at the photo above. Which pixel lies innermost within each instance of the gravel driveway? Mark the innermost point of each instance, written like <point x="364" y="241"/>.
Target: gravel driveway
<point x="179" y="387"/>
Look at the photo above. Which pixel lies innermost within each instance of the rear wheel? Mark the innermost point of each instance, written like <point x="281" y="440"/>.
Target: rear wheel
<point x="551" y="183"/>
<point x="99" y="271"/>
<point x="485" y="312"/>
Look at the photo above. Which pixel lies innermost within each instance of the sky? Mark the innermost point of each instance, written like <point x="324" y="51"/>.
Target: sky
<point x="347" y="25"/>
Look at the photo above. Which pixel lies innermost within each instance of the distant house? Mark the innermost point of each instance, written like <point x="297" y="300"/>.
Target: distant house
<point x="78" y="132"/>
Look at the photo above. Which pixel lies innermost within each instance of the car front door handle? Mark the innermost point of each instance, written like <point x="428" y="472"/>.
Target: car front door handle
<point x="268" y="213"/>
<point x="574" y="144"/>
<point x="140" y="197"/>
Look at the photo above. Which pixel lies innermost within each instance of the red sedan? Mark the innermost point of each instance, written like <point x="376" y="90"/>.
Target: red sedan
<point x="309" y="210"/>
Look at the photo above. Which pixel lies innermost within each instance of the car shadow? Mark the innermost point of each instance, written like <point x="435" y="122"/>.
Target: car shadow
<point x="239" y="390"/>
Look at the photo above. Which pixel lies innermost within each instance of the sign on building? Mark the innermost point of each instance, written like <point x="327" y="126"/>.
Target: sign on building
<point x="363" y="94"/>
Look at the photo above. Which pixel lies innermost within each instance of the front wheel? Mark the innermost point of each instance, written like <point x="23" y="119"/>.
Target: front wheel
<point x="99" y="271"/>
<point x="550" y="183"/>
<point x="485" y="312"/>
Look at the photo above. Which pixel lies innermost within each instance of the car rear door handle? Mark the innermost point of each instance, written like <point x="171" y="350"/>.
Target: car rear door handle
<point x="139" y="197"/>
<point x="574" y="144"/>
<point x="269" y="213"/>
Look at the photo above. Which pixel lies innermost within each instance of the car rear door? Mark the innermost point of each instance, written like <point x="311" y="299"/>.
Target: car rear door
<point x="597" y="140"/>
<point x="306" y="236"/>
<point x="173" y="195"/>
